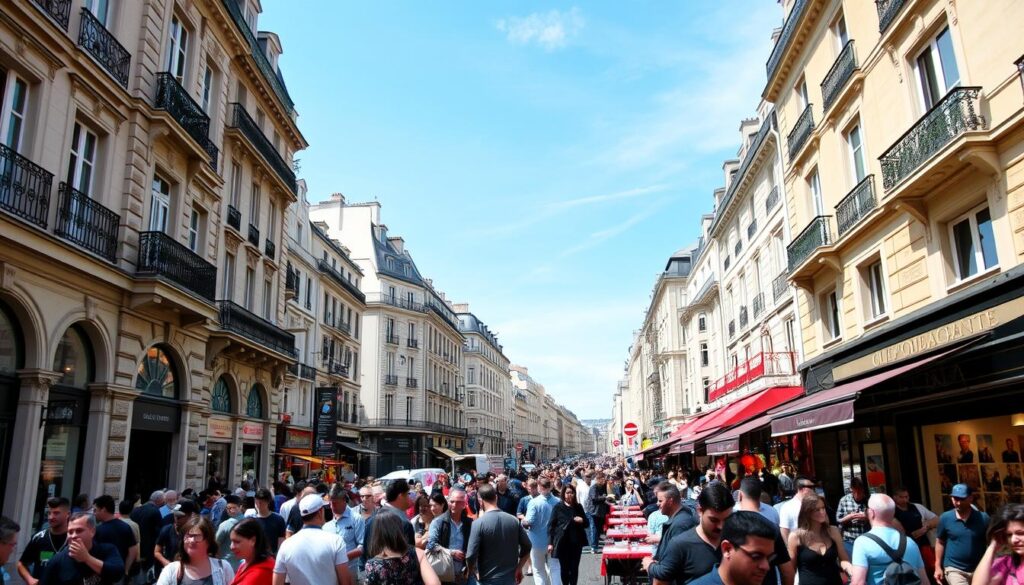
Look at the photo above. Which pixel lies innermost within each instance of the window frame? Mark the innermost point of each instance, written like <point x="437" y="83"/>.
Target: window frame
<point x="195" y="230"/>
<point x="877" y="291"/>
<point x="159" y="204"/>
<point x="177" y="49"/>
<point x="858" y="128"/>
<point x="830" y="307"/>
<point x="80" y="160"/>
<point x="813" y="181"/>
<point x="931" y="48"/>
<point x="976" y="241"/>
<point x="10" y="115"/>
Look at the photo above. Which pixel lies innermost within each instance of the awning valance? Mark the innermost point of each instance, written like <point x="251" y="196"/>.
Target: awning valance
<point x="448" y="453"/>
<point x="356" y="448"/>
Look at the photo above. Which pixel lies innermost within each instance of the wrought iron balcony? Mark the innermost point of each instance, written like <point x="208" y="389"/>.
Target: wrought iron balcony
<point x="413" y="343"/>
<point x="817" y="233"/>
<point x="417" y="424"/>
<point x="257" y="54"/>
<point x="83" y="221"/>
<point x="752" y="229"/>
<point x="857" y="203"/>
<point x="172" y="97"/>
<point x="335" y="368"/>
<point x="954" y="115"/>
<point x="236" y="319"/>
<point x="162" y="255"/>
<point x="758" y="304"/>
<point x="58" y="10"/>
<point x="801" y="132"/>
<point x="780" y="286"/>
<point x="392" y="339"/>
<point x="410" y="382"/>
<point x="103" y="46"/>
<point x="787" y="34"/>
<point x="234" y="218"/>
<point x="732" y="329"/>
<point x="390" y="380"/>
<point x="840" y="73"/>
<point x="772" y="200"/>
<point x="325" y="267"/>
<point x="404" y="304"/>
<point x="744" y="317"/>
<point x="270" y="248"/>
<point x="291" y="280"/>
<point x="761" y="365"/>
<point x="254" y="235"/>
<point x="887" y="11"/>
<point x="302" y="371"/>
<point x="241" y="120"/>
<point x="24" y="187"/>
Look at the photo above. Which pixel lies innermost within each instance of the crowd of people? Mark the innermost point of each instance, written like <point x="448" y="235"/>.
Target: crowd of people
<point x="494" y="529"/>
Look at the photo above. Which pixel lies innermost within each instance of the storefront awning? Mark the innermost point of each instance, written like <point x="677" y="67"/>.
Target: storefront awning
<point x="357" y="448"/>
<point x="659" y="446"/>
<point x="738" y="412"/>
<point x="834" y="407"/>
<point x="318" y="460"/>
<point x="638" y="457"/>
<point x="729" y="441"/>
<point x="448" y="453"/>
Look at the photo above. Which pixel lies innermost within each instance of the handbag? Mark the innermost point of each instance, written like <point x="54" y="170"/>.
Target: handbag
<point x="441" y="561"/>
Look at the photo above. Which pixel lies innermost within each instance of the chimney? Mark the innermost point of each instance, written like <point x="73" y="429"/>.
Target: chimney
<point x="338" y="197"/>
<point x="461" y="307"/>
<point x="398" y="242"/>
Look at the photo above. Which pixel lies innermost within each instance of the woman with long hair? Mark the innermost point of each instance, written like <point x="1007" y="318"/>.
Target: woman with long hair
<point x="816" y="546"/>
<point x="249" y="545"/>
<point x="425" y="515"/>
<point x="391" y="560"/>
<point x="1003" y="563"/>
<point x="197" y="562"/>
<point x="630" y="495"/>
<point x="567" y="535"/>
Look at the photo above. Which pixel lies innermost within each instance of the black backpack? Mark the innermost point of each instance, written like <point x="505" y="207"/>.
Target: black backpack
<point x="898" y="572"/>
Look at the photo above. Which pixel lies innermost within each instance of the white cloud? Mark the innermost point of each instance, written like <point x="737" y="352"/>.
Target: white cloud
<point x="599" y="237"/>
<point x="549" y="30"/>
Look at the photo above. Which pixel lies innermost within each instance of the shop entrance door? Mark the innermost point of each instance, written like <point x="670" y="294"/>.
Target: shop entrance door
<point x="251" y="465"/>
<point x="149" y="458"/>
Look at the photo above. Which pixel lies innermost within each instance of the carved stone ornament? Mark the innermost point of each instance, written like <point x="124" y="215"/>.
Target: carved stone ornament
<point x="252" y="258"/>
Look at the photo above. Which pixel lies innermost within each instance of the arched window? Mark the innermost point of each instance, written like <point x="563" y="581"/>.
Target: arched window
<point x="73" y="359"/>
<point x="254" y="406"/>
<point x="10" y="343"/>
<point x="220" y="397"/>
<point x="155" y="375"/>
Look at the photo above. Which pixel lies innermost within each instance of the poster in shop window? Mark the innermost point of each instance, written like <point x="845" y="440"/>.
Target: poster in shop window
<point x="985" y="454"/>
<point x="325" y="422"/>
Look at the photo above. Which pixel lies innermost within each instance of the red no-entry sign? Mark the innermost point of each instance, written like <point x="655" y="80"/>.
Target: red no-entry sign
<point x="630" y="429"/>
<point x="616" y="443"/>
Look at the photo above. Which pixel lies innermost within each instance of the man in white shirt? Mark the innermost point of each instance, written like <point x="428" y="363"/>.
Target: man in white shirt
<point x="312" y="556"/>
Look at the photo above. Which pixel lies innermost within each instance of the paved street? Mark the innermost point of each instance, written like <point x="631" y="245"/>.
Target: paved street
<point x="590" y="570"/>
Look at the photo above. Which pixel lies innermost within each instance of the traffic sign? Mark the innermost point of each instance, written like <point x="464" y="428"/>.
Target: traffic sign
<point x="630" y="429"/>
<point x="616" y="443"/>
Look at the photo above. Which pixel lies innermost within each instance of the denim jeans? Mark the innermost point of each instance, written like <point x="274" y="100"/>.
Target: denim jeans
<point x="591" y="531"/>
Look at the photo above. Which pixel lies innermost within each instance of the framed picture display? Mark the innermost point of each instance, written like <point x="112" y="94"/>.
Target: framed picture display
<point x="874" y="466"/>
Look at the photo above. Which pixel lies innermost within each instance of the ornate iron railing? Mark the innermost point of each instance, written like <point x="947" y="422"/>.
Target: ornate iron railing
<point x="390" y="380"/>
<point x="103" y="46"/>
<point x="392" y="339"/>
<point x="780" y="285"/>
<point x="411" y="423"/>
<point x="744" y="317"/>
<point x="291" y="280"/>
<point x="24" y="187"/>
<point x="254" y="235"/>
<point x="887" y="11"/>
<point x="752" y="229"/>
<point x="335" y="368"/>
<point x="302" y="371"/>
<point x="236" y="319"/>
<point x="855" y="205"/>
<point x="234" y="218"/>
<point x="840" y="73"/>
<point x="85" y="222"/>
<point x="772" y="200"/>
<point x="758" y="304"/>
<point x="172" y="97"/>
<point x="817" y="233"/>
<point x="241" y="120"/>
<point x="787" y="34"/>
<point x="413" y="343"/>
<point x="801" y="132"/>
<point x="404" y="304"/>
<point x="732" y="329"/>
<point x="955" y="114"/>
<point x="410" y="382"/>
<point x="261" y="59"/>
<point x="269" y="248"/>
<point x="337" y="277"/>
<point x="162" y="255"/>
<point x="58" y="10"/>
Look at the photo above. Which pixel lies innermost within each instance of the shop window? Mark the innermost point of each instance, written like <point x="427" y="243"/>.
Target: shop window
<point x="156" y="375"/>
<point x="73" y="359"/>
<point x="220" y="397"/>
<point x="10" y="343"/>
<point x="973" y="243"/>
<point x="254" y="404"/>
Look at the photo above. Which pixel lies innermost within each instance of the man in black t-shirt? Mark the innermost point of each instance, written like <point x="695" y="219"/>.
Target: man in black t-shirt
<point x="170" y="536"/>
<point x="45" y="543"/>
<point x="84" y="561"/>
<point x="148" y="517"/>
<point x="115" y="531"/>
<point x="273" y="524"/>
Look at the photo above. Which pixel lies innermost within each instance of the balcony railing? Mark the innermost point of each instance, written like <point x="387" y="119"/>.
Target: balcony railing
<point x="24" y="187"/>
<point x="840" y="73"/>
<point x="744" y="317"/>
<point x="772" y="200"/>
<point x="413" y="343"/>
<point x="83" y="221"/>
<point x="758" y="304"/>
<point x="261" y="59"/>
<point x="234" y="218"/>
<point x="162" y="255"/>
<point x="857" y="203"/>
<point x="954" y="115"/>
<point x="291" y="280"/>
<point x="103" y="46"/>
<point x="241" y="120"/>
<point x="302" y="371"/>
<point x="236" y="319"/>
<point x="325" y="267"/>
<point x="410" y="382"/>
<point x="173" y="98"/>
<point x="58" y="10"/>
<point x="752" y="229"/>
<point x="887" y="11"/>
<point x="269" y="248"/>
<point x="392" y="339"/>
<point x="390" y="380"/>
<point x="410" y="423"/>
<point x="760" y="366"/>
<point x="732" y="329"/>
<point x="780" y="285"/>
<point x="801" y="132"/>
<point x="817" y="233"/>
<point x="254" y="235"/>
<point x="336" y="368"/>
<point x="404" y="304"/>
<point x="787" y="34"/>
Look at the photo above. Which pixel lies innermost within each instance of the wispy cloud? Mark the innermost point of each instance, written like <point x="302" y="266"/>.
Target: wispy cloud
<point x="549" y="30"/>
<point x="601" y="236"/>
<point x="592" y="199"/>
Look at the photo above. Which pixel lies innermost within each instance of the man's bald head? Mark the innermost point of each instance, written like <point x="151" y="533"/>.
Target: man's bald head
<point x="882" y="508"/>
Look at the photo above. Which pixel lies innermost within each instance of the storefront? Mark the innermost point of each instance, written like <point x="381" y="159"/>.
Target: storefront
<point x="356" y="459"/>
<point x="12" y="359"/>
<point x="252" y="435"/>
<point x="219" y="442"/>
<point x="295" y="453"/>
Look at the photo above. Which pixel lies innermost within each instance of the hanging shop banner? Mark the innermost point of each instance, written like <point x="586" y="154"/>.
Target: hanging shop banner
<point x="251" y="431"/>
<point x="325" y="422"/>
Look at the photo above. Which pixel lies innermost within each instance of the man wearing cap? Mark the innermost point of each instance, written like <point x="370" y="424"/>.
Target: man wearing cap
<point x="346" y="524"/>
<point x="170" y="536"/>
<point x="312" y="556"/>
<point x="960" y="541"/>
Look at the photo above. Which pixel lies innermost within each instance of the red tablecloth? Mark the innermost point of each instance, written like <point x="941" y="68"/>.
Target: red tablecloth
<point x="617" y="508"/>
<point x="622" y="553"/>
<point x="631" y="533"/>
<point x="626" y="521"/>
<point x="626" y="513"/>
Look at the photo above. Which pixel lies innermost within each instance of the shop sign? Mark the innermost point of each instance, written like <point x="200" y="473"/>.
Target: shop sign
<point x="812" y="420"/>
<point x="325" y="422"/>
<point x="297" y="439"/>
<point x="939" y="337"/>
<point x="219" y="429"/>
<point x="251" y="431"/>
<point x="150" y="416"/>
<point x="724" y="447"/>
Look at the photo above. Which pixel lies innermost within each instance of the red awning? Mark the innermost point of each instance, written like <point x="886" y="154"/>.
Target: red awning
<point x="657" y="446"/>
<point x="638" y="457"/>
<point x="739" y="412"/>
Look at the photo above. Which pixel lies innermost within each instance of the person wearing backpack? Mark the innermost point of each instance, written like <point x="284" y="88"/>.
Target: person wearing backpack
<point x="884" y="555"/>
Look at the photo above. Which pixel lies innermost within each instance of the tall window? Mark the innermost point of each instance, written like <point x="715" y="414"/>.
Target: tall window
<point x="412" y="327"/>
<point x="840" y="32"/>
<point x="254" y="205"/>
<point x="389" y="406"/>
<point x="973" y="243"/>
<point x="236" y="183"/>
<point x="790" y="334"/>
<point x="937" y="71"/>
<point x="15" y="105"/>
<point x="814" y="187"/>
<point x="876" y="289"/>
<point x="391" y="363"/>
<point x="98" y="8"/>
<point x="82" y="163"/>
<point x="177" y="50"/>
<point x="408" y="408"/>
<point x="250" y="288"/>
<point x="831" y="315"/>
<point x="207" y="88"/>
<point x="704" y="357"/>
<point x="801" y="91"/>
<point x="268" y="299"/>
<point x="702" y="323"/>
<point x="229" y="276"/>
<point x="854" y="141"/>
<point x="194" y="229"/>
<point x="160" y="205"/>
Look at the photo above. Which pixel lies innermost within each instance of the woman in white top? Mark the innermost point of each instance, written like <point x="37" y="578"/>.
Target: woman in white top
<point x="197" y="562"/>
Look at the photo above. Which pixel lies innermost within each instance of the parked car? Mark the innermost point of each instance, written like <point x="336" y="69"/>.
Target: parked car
<point x="425" y="475"/>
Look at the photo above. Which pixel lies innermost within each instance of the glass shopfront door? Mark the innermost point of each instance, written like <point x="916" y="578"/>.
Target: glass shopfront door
<point x="251" y="457"/>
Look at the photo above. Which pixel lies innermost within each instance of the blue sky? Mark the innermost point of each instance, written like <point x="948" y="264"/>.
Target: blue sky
<point x="541" y="160"/>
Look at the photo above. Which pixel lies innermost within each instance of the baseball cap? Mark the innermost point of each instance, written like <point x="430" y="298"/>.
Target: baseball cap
<point x="482" y="477"/>
<point x="960" y="490"/>
<point x="184" y="508"/>
<point x="310" y="504"/>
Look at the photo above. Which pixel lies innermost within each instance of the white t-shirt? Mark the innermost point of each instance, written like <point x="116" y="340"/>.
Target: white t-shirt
<point x="310" y="556"/>
<point x="789" y="514"/>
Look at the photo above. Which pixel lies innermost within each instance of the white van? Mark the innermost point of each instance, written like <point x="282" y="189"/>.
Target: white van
<point x="425" y="475"/>
<point x="479" y="462"/>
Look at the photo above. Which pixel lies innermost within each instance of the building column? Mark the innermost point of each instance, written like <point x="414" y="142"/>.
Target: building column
<point x="106" y="440"/>
<point x="23" y="471"/>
